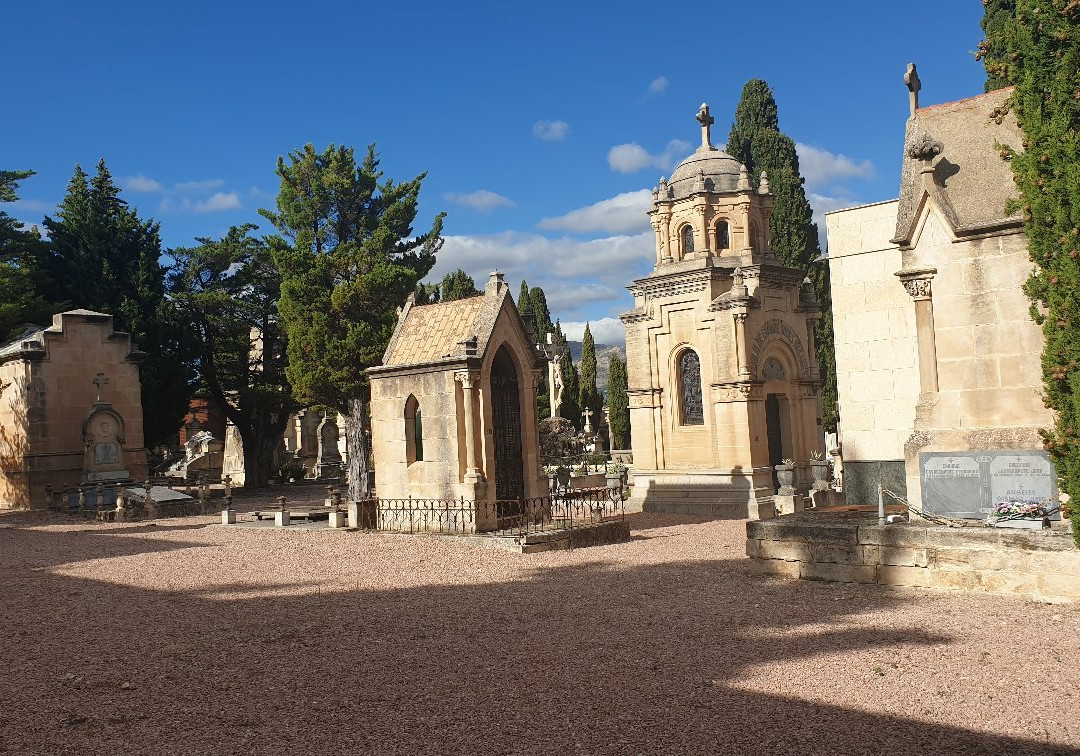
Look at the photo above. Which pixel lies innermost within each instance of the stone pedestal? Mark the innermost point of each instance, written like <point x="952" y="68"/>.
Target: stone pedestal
<point x="789" y="504"/>
<point x="338" y="519"/>
<point x="228" y="517"/>
<point x="281" y="519"/>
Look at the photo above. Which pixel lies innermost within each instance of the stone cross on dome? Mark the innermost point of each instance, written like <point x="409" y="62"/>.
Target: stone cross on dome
<point x="706" y="122"/>
<point x="99" y="381"/>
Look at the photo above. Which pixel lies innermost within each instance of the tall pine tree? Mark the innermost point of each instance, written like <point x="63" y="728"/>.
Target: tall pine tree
<point x="457" y="285"/>
<point x="1036" y="47"/>
<point x="757" y="142"/>
<point x="20" y="304"/>
<point x="348" y="258"/>
<point x="102" y="256"/>
<point x="228" y="291"/>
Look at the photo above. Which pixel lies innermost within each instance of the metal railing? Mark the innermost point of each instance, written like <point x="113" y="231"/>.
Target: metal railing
<point x="119" y="501"/>
<point x="511" y="517"/>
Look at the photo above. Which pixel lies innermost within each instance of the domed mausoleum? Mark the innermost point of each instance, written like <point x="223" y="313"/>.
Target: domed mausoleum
<point x="723" y="379"/>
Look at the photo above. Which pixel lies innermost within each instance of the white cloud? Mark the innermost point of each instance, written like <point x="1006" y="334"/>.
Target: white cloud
<point x="481" y="200"/>
<point x="551" y="131"/>
<point x="603" y="330"/>
<point x="624" y="213"/>
<point x="577" y="276"/>
<point x="658" y="85"/>
<point x="632" y="157"/>
<point x="140" y="183"/>
<point x="31" y="205"/>
<point x="821" y="167"/>
<point x="217" y="202"/>
<point x="204" y="185"/>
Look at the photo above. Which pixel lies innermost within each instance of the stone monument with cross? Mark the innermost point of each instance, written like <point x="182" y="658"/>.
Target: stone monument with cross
<point x="71" y="412"/>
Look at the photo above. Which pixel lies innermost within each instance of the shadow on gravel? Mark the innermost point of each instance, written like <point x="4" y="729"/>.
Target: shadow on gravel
<point x="593" y="659"/>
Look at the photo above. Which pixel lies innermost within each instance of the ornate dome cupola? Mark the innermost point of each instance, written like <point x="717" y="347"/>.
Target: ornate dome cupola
<point x="710" y="208"/>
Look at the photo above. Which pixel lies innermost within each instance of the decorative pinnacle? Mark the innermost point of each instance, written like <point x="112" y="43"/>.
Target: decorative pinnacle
<point x="706" y="122"/>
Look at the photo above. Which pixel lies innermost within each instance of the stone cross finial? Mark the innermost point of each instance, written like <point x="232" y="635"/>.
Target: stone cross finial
<point x="911" y="78"/>
<point x="706" y="122"/>
<point x="587" y="414"/>
<point x="99" y="381"/>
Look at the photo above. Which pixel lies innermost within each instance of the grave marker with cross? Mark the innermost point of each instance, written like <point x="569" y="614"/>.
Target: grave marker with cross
<point x="100" y="380"/>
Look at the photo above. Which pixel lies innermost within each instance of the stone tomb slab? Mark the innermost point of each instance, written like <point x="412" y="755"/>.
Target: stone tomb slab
<point x="968" y="485"/>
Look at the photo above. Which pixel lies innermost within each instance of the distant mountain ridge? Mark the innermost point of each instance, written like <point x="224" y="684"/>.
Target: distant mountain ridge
<point x="603" y="354"/>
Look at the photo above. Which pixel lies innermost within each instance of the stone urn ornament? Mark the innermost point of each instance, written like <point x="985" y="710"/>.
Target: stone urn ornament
<point x="819" y="469"/>
<point x="785" y="474"/>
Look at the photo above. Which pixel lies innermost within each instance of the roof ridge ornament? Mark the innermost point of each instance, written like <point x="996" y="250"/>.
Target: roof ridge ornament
<point x="706" y="122"/>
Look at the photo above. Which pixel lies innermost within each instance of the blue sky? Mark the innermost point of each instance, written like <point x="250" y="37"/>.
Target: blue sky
<point x="542" y="127"/>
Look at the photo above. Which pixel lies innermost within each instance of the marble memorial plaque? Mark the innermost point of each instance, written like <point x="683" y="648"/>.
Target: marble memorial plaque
<point x="1023" y="476"/>
<point x="952" y="485"/>
<point x="968" y="485"/>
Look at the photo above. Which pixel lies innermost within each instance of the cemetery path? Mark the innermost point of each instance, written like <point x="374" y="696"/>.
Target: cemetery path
<point x="183" y="637"/>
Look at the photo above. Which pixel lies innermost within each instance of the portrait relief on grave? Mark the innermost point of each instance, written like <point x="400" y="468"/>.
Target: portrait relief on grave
<point x="103" y="435"/>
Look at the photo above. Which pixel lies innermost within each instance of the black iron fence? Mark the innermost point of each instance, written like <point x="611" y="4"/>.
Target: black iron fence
<point x="513" y="517"/>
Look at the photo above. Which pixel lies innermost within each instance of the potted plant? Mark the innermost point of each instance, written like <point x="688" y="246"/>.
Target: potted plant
<point x="819" y="468"/>
<point x="785" y="473"/>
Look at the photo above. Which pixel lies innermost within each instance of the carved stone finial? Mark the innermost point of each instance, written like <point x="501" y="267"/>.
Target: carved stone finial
<point x="925" y="148"/>
<point x="706" y="122"/>
<point x="763" y="185"/>
<point x="744" y="179"/>
<point x="911" y="78"/>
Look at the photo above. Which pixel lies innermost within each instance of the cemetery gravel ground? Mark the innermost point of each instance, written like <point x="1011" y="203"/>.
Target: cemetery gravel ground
<point x="183" y="637"/>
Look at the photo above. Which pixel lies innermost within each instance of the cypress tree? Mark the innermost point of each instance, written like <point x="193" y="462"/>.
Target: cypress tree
<point x="756" y="141"/>
<point x="102" y="256"/>
<point x="1037" y="48"/>
<point x="541" y="314"/>
<point x="570" y="408"/>
<point x="588" y="396"/>
<point x="618" y="407"/>
<point x="997" y="49"/>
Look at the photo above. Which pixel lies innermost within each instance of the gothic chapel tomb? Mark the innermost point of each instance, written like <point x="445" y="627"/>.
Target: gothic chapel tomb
<point x="723" y="380"/>
<point x="453" y="407"/>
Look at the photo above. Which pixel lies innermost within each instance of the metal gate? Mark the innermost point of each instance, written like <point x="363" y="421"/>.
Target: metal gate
<point x="506" y="428"/>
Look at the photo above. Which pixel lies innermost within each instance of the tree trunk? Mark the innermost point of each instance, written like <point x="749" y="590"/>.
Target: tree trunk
<point x="258" y="460"/>
<point x="358" y="447"/>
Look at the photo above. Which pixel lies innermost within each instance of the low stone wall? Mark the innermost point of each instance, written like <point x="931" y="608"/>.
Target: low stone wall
<point x="850" y="547"/>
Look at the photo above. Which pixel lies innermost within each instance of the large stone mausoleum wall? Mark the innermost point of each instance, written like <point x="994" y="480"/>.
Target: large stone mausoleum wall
<point x="876" y="351"/>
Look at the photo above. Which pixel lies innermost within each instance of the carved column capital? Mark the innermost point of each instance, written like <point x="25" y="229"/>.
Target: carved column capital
<point x="917" y="282"/>
<point x="469" y="379"/>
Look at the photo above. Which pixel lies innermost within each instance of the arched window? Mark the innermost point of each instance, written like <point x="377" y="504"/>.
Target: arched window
<point x="414" y="431"/>
<point x="686" y="235"/>
<point x="722" y="239"/>
<point x="691" y="410"/>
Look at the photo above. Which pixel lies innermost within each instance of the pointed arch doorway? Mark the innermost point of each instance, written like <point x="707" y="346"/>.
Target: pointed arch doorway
<point x="506" y="428"/>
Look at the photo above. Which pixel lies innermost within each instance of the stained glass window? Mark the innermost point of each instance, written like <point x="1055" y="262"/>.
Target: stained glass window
<point x="693" y="412"/>
<point x="722" y="241"/>
<point x="687" y="234"/>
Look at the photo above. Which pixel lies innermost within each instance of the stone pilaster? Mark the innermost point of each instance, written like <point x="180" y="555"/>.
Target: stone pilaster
<point x="917" y="282"/>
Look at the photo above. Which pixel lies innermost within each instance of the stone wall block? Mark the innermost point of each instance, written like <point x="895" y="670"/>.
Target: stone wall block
<point x="1060" y="586"/>
<point x="776" y="568"/>
<point x="916" y="577"/>
<point x="791" y="551"/>
<point x="839" y="573"/>
<point x="892" y="535"/>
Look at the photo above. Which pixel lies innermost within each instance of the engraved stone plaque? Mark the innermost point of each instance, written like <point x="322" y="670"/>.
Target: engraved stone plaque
<point x="968" y="485"/>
